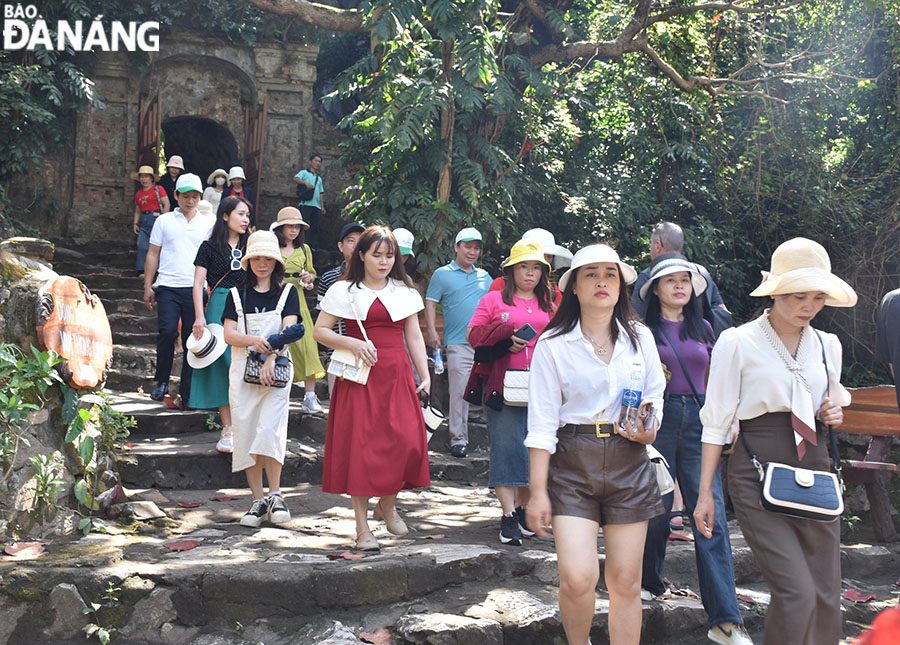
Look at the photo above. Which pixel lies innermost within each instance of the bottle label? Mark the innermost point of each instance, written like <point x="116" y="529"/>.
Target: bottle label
<point x="631" y="398"/>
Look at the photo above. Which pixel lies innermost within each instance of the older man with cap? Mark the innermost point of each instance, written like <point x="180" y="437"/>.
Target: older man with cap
<point x="458" y="287"/>
<point x="174" y="241"/>
<point x="347" y="239"/>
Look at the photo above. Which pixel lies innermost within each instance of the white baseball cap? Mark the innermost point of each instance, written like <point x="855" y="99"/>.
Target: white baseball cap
<point x="469" y="234"/>
<point x="405" y="240"/>
<point x="187" y="183"/>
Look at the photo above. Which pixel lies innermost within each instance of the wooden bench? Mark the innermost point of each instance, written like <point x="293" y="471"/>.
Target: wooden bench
<point x="873" y="412"/>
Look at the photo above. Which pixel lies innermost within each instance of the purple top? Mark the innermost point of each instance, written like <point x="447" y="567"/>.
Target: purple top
<point x="694" y="354"/>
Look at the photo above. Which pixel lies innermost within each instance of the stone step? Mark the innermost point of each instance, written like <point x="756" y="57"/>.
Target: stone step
<point x="133" y="306"/>
<point x="143" y="322"/>
<point x="191" y="461"/>
<point x="448" y="581"/>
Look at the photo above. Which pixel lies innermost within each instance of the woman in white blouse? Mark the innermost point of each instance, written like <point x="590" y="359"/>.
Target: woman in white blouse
<point x="587" y="469"/>
<point x="770" y="375"/>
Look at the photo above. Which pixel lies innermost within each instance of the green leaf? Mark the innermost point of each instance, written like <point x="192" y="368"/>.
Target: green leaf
<point x="86" y="448"/>
<point x="81" y="494"/>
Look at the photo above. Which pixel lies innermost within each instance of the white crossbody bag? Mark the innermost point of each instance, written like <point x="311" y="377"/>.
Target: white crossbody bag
<point x="344" y="363"/>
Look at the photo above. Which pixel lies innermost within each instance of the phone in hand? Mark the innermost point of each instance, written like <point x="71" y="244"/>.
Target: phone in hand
<point x="526" y="332"/>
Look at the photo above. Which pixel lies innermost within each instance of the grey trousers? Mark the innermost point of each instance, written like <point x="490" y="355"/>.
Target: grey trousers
<point x="800" y="559"/>
<point x="459" y="366"/>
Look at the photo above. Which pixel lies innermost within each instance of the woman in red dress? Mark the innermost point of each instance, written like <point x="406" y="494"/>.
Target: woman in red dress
<point x="375" y="443"/>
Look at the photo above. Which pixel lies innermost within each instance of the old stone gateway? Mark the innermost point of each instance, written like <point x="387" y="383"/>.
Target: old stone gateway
<point x="214" y="102"/>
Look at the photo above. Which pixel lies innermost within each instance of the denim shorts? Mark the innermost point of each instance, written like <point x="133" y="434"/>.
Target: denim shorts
<point x="509" y="456"/>
<point x="609" y="480"/>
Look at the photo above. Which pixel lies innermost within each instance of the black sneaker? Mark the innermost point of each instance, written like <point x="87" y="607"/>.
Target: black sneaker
<point x="458" y="451"/>
<point x="259" y="510"/>
<point x="278" y="512"/>
<point x="523" y="526"/>
<point x="159" y="391"/>
<point x="509" y="530"/>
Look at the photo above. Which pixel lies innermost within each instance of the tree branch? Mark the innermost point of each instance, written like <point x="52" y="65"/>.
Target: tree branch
<point x="736" y="7"/>
<point x="314" y="13"/>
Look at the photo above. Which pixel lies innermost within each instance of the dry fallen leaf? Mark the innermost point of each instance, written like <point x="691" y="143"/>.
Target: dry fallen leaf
<point x="182" y="545"/>
<point x="858" y="597"/>
<point x="224" y="498"/>
<point x="190" y="504"/>
<point x="346" y="555"/>
<point x="439" y="536"/>
<point x="24" y="550"/>
<point x="380" y="636"/>
<point x="745" y="598"/>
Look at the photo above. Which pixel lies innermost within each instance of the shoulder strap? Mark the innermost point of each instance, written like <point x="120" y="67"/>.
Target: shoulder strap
<point x="238" y="304"/>
<point x="681" y="362"/>
<point x="282" y="300"/>
<point x="158" y="200"/>
<point x="356" y="315"/>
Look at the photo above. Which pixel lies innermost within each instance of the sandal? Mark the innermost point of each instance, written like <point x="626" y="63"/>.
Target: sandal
<point x="369" y="543"/>
<point x="676" y="521"/>
<point x="395" y="526"/>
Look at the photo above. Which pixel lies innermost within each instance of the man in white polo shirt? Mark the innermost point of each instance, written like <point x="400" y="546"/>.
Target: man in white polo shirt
<point x="174" y="241"/>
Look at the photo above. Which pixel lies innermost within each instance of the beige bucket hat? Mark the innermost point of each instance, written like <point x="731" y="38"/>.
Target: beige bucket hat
<point x="801" y="265"/>
<point x="262" y="244"/>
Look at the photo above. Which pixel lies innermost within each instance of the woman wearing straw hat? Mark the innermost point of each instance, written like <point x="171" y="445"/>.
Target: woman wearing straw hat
<point x="299" y="271"/>
<point x="504" y="317"/>
<point x="215" y="188"/>
<point x="771" y="375"/>
<point x="149" y="203"/>
<point x="684" y="340"/>
<point x="217" y="266"/>
<point x="589" y="464"/>
<point x="263" y="306"/>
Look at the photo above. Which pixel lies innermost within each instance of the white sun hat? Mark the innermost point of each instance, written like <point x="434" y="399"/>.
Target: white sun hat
<point x="208" y="348"/>
<point x="597" y="254"/>
<point x="674" y="265"/>
<point x="548" y="242"/>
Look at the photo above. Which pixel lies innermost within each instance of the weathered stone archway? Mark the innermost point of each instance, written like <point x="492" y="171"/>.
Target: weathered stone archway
<point x="203" y="143"/>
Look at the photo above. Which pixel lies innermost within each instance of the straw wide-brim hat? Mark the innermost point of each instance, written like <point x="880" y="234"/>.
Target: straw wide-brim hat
<point x="208" y="348"/>
<point x="597" y="254"/>
<point x="262" y="244"/>
<point x="145" y="170"/>
<point x="801" y="265"/>
<point x="670" y="266"/>
<point x="216" y="173"/>
<point x="526" y="251"/>
<point x="288" y="215"/>
<point x="548" y="243"/>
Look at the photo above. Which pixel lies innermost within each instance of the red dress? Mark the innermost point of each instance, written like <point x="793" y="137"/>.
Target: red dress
<point x="375" y="442"/>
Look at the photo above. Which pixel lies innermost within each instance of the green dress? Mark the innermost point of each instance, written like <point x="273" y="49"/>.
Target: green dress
<point x="305" y="352"/>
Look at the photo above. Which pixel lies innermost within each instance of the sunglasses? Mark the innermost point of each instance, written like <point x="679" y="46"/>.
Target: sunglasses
<point x="236" y="255"/>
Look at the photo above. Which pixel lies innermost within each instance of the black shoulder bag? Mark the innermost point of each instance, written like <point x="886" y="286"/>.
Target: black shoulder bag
<point x="305" y="194"/>
<point x="801" y="492"/>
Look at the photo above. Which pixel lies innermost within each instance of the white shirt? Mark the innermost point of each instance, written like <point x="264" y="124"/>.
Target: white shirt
<point x="747" y="378"/>
<point x="179" y="240"/>
<point x="570" y="384"/>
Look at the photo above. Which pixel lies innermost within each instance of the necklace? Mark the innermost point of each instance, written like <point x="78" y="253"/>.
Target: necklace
<point x="528" y="303"/>
<point x="599" y="348"/>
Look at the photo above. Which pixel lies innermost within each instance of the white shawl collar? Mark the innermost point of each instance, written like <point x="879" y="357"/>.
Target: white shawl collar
<point x="399" y="300"/>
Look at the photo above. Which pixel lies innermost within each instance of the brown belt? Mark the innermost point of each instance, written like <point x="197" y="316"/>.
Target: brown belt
<point x="602" y="429"/>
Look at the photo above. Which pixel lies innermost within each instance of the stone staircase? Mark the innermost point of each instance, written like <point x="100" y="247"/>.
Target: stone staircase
<point x="449" y="582"/>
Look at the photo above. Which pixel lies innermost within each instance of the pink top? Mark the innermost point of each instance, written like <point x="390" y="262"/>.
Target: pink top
<point x="492" y="309"/>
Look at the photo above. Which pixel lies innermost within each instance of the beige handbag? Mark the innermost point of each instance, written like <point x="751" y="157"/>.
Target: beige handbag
<point x="344" y="363"/>
<point x="661" y="468"/>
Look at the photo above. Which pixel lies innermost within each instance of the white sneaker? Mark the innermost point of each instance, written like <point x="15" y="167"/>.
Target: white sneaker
<point x="647" y="595"/>
<point x="225" y="443"/>
<point x="729" y="634"/>
<point x="311" y="404"/>
<point x="278" y="511"/>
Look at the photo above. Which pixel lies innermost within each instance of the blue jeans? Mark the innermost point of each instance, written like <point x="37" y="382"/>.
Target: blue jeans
<point x="143" y="241"/>
<point x="679" y="442"/>
<point x="509" y="456"/>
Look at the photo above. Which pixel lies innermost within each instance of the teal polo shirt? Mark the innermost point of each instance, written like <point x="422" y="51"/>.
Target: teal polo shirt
<point x="459" y="293"/>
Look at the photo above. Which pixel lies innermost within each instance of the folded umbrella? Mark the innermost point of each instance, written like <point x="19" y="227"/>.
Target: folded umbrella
<point x="287" y="336"/>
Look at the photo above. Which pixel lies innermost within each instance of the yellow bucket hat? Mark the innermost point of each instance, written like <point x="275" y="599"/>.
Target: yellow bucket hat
<point x="526" y="251"/>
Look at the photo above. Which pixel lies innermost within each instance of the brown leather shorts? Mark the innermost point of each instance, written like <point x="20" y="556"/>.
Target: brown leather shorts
<point x="609" y="481"/>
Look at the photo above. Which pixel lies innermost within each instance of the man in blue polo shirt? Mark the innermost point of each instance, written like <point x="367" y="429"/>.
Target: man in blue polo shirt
<point x="458" y="287"/>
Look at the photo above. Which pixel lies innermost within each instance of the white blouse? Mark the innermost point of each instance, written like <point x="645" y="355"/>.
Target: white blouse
<point x="400" y="301"/>
<point x="747" y="377"/>
<point x="570" y="384"/>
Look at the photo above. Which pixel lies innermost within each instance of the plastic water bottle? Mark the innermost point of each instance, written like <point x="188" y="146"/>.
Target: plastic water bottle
<point x="438" y="361"/>
<point x="631" y="398"/>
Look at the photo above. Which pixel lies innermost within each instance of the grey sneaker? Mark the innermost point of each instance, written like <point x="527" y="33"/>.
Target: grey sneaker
<point x="278" y="512"/>
<point x="259" y="509"/>
<point x="311" y="404"/>
<point x="729" y="634"/>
